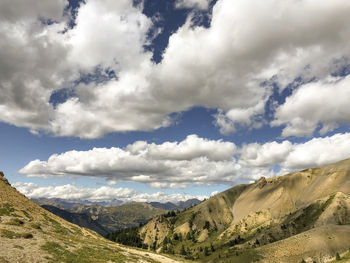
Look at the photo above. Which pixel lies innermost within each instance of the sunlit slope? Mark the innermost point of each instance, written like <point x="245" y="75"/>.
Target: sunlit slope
<point x="28" y="233"/>
<point x="309" y="209"/>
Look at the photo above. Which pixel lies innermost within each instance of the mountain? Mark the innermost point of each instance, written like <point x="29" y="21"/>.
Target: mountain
<point x="188" y="203"/>
<point x="178" y="206"/>
<point x="82" y="220"/>
<point x="117" y="217"/>
<point x="29" y="233"/>
<point x="165" y="206"/>
<point x="106" y="219"/>
<point x="299" y="216"/>
<point x="72" y="203"/>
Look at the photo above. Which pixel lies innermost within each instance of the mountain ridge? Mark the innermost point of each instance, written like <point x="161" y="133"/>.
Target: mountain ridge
<point x="107" y="219"/>
<point x="254" y="219"/>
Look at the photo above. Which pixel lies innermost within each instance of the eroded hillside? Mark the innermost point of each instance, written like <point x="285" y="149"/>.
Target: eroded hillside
<point x="299" y="216"/>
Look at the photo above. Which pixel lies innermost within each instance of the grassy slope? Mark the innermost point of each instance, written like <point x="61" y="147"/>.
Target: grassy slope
<point x="28" y="233"/>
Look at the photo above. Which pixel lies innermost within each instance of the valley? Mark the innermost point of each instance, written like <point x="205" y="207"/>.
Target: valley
<point x="303" y="216"/>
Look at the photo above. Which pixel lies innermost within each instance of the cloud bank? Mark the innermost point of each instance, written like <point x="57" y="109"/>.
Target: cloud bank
<point x="104" y="193"/>
<point x="193" y="161"/>
<point x="117" y="87"/>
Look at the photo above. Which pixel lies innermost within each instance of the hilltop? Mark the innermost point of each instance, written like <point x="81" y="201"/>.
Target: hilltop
<point x="295" y="217"/>
<point x="29" y="233"/>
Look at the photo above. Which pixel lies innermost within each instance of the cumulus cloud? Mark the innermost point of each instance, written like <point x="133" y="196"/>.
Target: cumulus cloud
<point x="14" y="10"/>
<point x="32" y="55"/>
<point x="110" y="34"/>
<point x="194" y="160"/>
<point x="220" y="67"/>
<point x="296" y="156"/>
<point x="104" y="193"/>
<point x="323" y="102"/>
<point x="265" y="155"/>
<point x="171" y="164"/>
<point x="234" y="119"/>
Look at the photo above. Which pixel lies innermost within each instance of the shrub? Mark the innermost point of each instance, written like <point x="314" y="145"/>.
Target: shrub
<point x="337" y="256"/>
<point x="27" y="235"/>
<point x="183" y="251"/>
<point x="206" y="251"/>
<point x="206" y="225"/>
<point x="35" y="225"/>
<point x="15" y="222"/>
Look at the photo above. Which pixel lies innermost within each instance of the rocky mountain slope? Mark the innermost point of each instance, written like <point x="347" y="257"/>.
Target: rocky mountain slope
<point x="178" y="206"/>
<point x="79" y="219"/>
<point x="106" y="219"/>
<point x="299" y="216"/>
<point x="117" y="217"/>
<point x="29" y="233"/>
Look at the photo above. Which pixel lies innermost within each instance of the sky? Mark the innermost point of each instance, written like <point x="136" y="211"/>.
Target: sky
<point x="154" y="100"/>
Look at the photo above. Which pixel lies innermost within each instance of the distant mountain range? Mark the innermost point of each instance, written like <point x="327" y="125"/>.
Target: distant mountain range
<point x="107" y="217"/>
<point x="71" y="203"/>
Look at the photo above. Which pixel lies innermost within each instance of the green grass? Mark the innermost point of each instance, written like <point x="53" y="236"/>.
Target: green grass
<point x="343" y="258"/>
<point x="83" y="255"/>
<point x="15" y="222"/>
<point x="27" y="215"/>
<point x="57" y="226"/>
<point x="234" y="256"/>
<point x="6" y="209"/>
<point x="11" y="235"/>
<point x="35" y="225"/>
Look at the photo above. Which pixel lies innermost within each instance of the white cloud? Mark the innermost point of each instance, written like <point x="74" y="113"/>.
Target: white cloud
<point x="265" y="155"/>
<point x="110" y="34"/>
<point x="14" y="10"/>
<point x="293" y="157"/>
<point x="104" y="193"/>
<point x="203" y="161"/>
<point x="217" y="67"/>
<point x="32" y="56"/>
<point x="319" y="151"/>
<point x="323" y="102"/>
<point x="235" y="118"/>
<point x="200" y="4"/>
<point x="194" y="160"/>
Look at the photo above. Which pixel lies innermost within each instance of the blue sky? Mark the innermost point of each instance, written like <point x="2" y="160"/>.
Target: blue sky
<point x="168" y="100"/>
